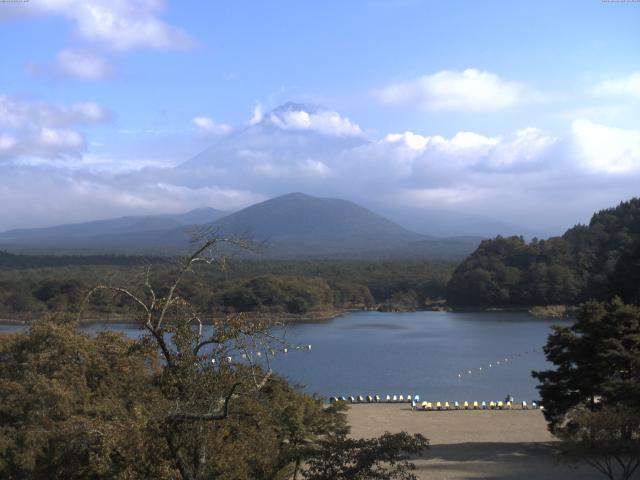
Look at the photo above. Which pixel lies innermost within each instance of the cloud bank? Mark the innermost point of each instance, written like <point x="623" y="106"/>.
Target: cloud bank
<point x="45" y="130"/>
<point x="524" y="176"/>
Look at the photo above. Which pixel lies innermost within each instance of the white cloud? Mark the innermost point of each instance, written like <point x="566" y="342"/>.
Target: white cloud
<point x="512" y="175"/>
<point x="470" y="89"/>
<point x="17" y="113"/>
<point x="314" y="168"/>
<point x="209" y="126"/>
<point x="214" y="196"/>
<point x="606" y="149"/>
<point x="118" y="24"/>
<point x="464" y="142"/>
<point x="308" y="168"/>
<point x="82" y="64"/>
<point x="103" y="26"/>
<point x="519" y="150"/>
<point x="42" y="196"/>
<point x="413" y="141"/>
<point x="323" y="121"/>
<point x="43" y="129"/>
<point x="7" y="143"/>
<point x="60" y="139"/>
<point x="623" y="86"/>
<point x="258" y="113"/>
<point x="429" y="197"/>
<point x="270" y="169"/>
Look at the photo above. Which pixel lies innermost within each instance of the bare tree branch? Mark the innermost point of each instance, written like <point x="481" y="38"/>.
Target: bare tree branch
<point x="206" y="417"/>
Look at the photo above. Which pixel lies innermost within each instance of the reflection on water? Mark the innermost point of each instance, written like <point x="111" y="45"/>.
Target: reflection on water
<point x="438" y="355"/>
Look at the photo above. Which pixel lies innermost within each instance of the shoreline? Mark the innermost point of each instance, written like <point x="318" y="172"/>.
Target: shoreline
<point x="318" y="316"/>
<point x="119" y="319"/>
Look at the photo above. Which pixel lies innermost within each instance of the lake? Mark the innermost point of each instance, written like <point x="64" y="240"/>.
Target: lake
<point x="424" y="353"/>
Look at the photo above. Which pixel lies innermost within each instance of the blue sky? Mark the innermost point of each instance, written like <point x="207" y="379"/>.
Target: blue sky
<point x="525" y="112"/>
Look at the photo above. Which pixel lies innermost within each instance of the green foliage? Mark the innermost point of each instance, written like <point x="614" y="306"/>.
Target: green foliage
<point x="608" y="439"/>
<point x="625" y="278"/>
<point x="585" y="263"/>
<point x="73" y="406"/>
<point x="278" y="293"/>
<point x="248" y="286"/>
<point x="12" y="260"/>
<point x="597" y="362"/>
<point x="382" y="458"/>
<point x="76" y="406"/>
<point x="172" y="405"/>
<point x="591" y="397"/>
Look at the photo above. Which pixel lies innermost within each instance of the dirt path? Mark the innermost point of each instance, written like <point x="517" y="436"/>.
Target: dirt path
<point x="481" y="444"/>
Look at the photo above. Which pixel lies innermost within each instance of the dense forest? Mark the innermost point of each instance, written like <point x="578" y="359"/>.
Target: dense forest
<point x="37" y="285"/>
<point x="595" y="261"/>
<point x="13" y="261"/>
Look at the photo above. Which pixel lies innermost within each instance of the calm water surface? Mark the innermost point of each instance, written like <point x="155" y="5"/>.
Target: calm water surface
<point x="413" y="353"/>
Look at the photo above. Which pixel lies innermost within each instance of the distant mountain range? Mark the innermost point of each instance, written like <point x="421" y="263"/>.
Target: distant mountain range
<point x="305" y="144"/>
<point x="112" y="235"/>
<point x="290" y="226"/>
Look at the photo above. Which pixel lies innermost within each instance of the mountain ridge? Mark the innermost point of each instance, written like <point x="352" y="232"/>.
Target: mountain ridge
<point x="294" y="225"/>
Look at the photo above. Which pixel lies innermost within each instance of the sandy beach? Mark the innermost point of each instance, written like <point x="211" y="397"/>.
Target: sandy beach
<point x="481" y="444"/>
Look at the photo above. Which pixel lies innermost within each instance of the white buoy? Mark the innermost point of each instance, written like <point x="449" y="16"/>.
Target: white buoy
<point x="480" y="368"/>
<point x="459" y="375"/>
<point x="469" y="372"/>
<point x="309" y="347"/>
<point x="259" y="354"/>
<point x="285" y="350"/>
<point x="213" y="360"/>
<point x="489" y="365"/>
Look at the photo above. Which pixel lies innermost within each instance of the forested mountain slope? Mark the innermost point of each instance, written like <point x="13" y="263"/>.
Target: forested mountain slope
<point x="588" y="261"/>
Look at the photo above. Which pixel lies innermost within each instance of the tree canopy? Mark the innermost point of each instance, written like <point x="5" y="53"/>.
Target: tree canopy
<point x="591" y="396"/>
<point x="580" y="265"/>
<point x="173" y="404"/>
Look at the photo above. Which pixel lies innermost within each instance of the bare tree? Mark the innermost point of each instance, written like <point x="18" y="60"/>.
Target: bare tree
<point x="206" y="364"/>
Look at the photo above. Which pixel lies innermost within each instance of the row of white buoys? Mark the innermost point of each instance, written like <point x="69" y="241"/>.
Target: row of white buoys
<point x="466" y="405"/>
<point x="258" y="354"/>
<point x="376" y="399"/>
<point x="502" y="361"/>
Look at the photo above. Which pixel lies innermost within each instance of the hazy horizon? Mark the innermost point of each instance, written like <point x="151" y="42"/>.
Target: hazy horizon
<point x="489" y="116"/>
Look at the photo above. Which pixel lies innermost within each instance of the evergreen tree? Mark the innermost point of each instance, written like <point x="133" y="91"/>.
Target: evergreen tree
<point x="592" y="397"/>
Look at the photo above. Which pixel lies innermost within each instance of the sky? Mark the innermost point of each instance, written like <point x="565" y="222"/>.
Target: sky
<point x="525" y="113"/>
